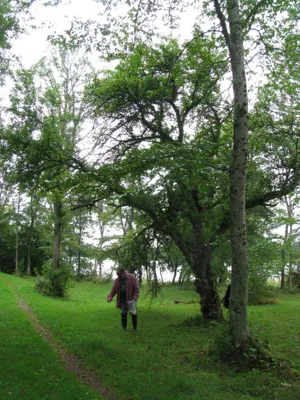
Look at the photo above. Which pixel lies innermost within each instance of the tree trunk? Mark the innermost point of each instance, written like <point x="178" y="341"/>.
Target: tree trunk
<point x="100" y="270"/>
<point x="205" y="285"/>
<point x="101" y="239"/>
<point x="161" y="276"/>
<point x="79" y="248"/>
<point x="239" y="285"/>
<point x="17" y="233"/>
<point x="29" y="257"/>
<point x="30" y="234"/>
<point x="140" y="273"/>
<point x="290" y="276"/>
<point x="181" y="275"/>
<point x="283" y="257"/>
<point x="154" y="273"/>
<point x="57" y="233"/>
<point x="198" y="255"/>
<point x="282" y="279"/>
<point x="175" y="272"/>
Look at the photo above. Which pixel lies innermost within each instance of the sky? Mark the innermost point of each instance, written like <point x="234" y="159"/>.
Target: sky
<point x="33" y="45"/>
<point x="56" y="19"/>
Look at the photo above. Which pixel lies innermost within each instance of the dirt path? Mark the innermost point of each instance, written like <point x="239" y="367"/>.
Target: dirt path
<point x="71" y="363"/>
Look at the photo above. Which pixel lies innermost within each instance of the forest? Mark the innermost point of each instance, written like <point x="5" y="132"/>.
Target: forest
<point x="161" y="137"/>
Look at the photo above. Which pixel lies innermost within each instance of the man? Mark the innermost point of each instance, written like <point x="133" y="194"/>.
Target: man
<point x="127" y="290"/>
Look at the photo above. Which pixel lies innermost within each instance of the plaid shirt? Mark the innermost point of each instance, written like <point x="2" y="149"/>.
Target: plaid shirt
<point x="132" y="290"/>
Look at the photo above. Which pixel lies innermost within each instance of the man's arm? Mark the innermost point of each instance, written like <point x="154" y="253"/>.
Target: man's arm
<point x="112" y="293"/>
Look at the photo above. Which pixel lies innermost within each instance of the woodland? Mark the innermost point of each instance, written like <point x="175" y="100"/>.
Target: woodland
<point x="170" y="156"/>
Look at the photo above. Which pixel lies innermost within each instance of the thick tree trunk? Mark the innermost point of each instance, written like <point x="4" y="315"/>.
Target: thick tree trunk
<point x="198" y="255"/>
<point x="57" y="233"/>
<point x="205" y="285"/>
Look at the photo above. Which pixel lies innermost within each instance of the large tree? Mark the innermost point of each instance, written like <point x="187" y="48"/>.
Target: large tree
<point x="47" y="113"/>
<point x="170" y="137"/>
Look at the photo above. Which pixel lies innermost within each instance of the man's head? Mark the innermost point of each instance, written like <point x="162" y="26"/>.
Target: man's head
<point x="121" y="272"/>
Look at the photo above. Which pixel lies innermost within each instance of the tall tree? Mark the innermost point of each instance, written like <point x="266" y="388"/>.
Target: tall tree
<point x="239" y="292"/>
<point x="47" y="112"/>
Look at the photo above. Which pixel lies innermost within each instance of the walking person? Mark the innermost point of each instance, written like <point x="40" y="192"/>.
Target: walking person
<point x="127" y="290"/>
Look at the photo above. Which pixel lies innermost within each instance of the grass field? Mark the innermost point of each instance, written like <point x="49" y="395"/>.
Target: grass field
<point x="166" y="359"/>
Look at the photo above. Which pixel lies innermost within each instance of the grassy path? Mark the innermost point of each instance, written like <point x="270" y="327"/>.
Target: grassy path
<point x="29" y="367"/>
<point x="167" y="359"/>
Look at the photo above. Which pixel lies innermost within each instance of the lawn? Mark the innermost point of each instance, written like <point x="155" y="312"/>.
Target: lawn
<point x="29" y="369"/>
<point x="166" y="359"/>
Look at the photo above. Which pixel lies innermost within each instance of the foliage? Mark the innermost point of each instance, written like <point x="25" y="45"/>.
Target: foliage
<point x="39" y="241"/>
<point x="260" y="292"/>
<point x="55" y="282"/>
<point x="296" y="278"/>
<point x="14" y="14"/>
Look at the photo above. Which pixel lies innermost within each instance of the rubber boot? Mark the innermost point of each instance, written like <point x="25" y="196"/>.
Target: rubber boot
<point x="124" y="322"/>
<point x="134" y="322"/>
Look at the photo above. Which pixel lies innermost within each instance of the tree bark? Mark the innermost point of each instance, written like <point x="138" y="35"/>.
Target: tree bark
<point x="17" y="270"/>
<point x="175" y="272"/>
<point x="283" y="258"/>
<point x="205" y="286"/>
<point x="79" y="247"/>
<point x="239" y="285"/>
<point x="57" y="233"/>
<point x="140" y="275"/>
<point x="198" y="255"/>
<point x="30" y="234"/>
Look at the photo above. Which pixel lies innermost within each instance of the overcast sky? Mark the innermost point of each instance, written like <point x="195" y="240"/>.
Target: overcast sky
<point x="50" y="20"/>
<point x="33" y="45"/>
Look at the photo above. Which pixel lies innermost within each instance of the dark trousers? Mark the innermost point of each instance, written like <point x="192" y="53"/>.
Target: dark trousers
<point x="124" y="312"/>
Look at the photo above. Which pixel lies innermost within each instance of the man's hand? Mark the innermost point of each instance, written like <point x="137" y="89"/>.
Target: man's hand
<point x="109" y="300"/>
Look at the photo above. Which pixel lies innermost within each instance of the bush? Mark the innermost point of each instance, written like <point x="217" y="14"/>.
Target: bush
<point x="261" y="293"/>
<point x="54" y="282"/>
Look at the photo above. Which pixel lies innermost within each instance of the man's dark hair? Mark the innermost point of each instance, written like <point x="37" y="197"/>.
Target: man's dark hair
<point x="121" y="270"/>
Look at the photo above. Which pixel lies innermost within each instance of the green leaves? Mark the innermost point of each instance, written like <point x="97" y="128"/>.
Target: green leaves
<point x="156" y="88"/>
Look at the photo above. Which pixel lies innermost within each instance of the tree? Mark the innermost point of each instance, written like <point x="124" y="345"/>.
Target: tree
<point x="144" y="93"/>
<point x="47" y="116"/>
<point x="239" y="277"/>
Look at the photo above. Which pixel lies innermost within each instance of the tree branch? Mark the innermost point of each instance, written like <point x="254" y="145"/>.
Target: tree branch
<point x="223" y="23"/>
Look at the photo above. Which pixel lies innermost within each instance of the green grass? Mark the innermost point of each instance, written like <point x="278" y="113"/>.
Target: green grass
<point x="29" y="369"/>
<point x="166" y="359"/>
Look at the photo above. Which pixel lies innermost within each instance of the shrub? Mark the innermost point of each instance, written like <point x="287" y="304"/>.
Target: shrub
<point x="43" y="285"/>
<point x="261" y="293"/>
<point x="54" y="282"/>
